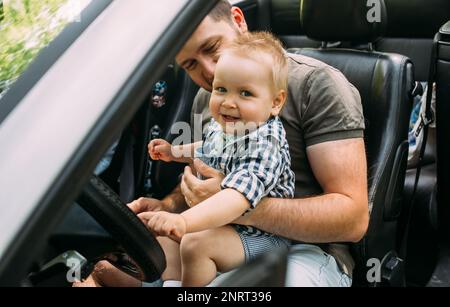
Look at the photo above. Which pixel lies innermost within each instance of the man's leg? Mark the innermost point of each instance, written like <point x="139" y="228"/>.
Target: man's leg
<point x="310" y="266"/>
<point x="107" y="275"/>
<point x="206" y="252"/>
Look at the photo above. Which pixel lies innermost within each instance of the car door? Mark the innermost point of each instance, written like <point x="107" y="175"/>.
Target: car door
<point x="55" y="125"/>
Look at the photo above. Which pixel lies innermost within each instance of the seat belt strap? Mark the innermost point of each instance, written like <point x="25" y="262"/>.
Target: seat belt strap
<point x="426" y="118"/>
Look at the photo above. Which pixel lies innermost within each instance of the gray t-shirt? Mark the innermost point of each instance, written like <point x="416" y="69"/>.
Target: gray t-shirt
<point x="322" y="105"/>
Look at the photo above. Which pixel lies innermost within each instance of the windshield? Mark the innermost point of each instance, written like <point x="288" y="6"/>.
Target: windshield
<point x="26" y="27"/>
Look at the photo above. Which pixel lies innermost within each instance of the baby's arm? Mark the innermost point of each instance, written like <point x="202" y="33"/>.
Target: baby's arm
<point x="159" y="149"/>
<point x="220" y="209"/>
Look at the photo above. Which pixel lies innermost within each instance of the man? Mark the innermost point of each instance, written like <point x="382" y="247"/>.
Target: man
<point x="324" y="126"/>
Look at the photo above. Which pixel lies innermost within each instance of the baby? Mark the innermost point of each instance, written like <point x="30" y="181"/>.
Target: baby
<point x="246" y="141"/>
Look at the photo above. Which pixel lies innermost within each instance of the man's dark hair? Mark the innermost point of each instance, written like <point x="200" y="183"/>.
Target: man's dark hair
<point x="222" y="11"/>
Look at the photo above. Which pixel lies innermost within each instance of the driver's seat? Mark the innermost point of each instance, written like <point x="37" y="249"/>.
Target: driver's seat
<point x="385" y="82"/>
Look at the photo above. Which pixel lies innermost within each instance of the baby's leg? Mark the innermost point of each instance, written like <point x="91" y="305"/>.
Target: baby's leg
<point x="206" y="252"/>
<point x="173" y="259"/>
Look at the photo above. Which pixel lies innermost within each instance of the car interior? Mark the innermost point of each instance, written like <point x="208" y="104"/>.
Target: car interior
<point x="389" y="62"/>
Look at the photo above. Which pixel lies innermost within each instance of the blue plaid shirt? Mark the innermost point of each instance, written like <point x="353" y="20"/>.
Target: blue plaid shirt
<point x="256" y="164"/>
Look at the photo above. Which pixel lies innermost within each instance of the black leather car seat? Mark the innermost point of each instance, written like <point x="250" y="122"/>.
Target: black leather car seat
<point x="385" y="82"/>
<point x="282" y="17"/>
<point x="165" y="176"/>
<point x="412" y="26"/>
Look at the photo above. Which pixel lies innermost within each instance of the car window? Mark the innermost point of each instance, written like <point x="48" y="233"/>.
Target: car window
<point x="26" y="27"/>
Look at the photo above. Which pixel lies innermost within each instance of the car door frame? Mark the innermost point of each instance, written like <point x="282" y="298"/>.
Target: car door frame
<point x="18" y="250"/>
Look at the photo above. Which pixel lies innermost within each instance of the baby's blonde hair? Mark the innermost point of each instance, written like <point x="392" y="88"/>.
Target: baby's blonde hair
<point x="260" y="44"/>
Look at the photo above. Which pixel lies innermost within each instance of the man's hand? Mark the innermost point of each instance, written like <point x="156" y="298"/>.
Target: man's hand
<point x="195" y="190"/>
<point x="159" y="149"/>
<point x="147" y="205"/>
<point x="164" y="224"/>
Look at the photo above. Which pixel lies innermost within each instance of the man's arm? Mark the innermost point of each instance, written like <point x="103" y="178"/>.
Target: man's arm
<point x="173" y="202"/>
<point x="339" y="215"/>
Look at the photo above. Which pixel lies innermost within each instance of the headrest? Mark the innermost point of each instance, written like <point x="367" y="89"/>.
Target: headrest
<point x="343" y="20"/>
<point x="416" y="18"/>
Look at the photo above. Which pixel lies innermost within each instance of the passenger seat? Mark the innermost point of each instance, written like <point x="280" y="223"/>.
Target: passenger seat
<point x="385" y="82"/>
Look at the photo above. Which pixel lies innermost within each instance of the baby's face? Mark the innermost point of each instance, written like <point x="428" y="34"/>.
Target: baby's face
<point x="242" y="91"/>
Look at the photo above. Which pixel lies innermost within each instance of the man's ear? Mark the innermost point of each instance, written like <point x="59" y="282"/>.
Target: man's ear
<point x="278" y="102"/>
<point x="239" y="19"/>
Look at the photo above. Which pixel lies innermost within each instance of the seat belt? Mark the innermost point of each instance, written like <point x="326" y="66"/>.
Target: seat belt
<point x="426" y="118"/>
<point x="126" y="179"/>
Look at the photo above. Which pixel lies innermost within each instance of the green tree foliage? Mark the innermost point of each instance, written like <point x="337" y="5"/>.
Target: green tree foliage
<point x="26" y="28"/>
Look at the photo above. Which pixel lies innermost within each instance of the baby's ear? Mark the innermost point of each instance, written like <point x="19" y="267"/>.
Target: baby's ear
<point x="278" y="102"/>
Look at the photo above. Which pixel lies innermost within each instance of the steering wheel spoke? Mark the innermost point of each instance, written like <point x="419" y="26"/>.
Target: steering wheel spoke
<point x="141" y="256"/>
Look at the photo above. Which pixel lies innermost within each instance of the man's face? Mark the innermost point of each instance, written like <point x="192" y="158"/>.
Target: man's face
<point x="243" y="92"/>
<point x="200" y="53"/>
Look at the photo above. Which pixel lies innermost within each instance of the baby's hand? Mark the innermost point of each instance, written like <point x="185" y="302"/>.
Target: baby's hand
<point x="164" y="224"/>
<point x="159" y="149"/>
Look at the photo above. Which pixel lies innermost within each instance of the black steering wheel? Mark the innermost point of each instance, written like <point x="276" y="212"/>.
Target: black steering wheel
<point x="139" y="254"/>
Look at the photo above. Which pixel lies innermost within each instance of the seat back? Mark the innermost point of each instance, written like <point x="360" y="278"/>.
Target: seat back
<point x="385" y="82"/>
<point x="412" y="26"/>
<point x="282" y="19"/>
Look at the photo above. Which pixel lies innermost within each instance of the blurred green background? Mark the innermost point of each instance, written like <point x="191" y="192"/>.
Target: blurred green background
<point x="27" y="26"/>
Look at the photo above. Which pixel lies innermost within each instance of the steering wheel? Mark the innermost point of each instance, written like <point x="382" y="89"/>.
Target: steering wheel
<point x="139" y="255"/>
